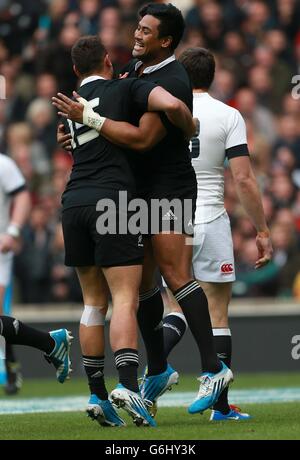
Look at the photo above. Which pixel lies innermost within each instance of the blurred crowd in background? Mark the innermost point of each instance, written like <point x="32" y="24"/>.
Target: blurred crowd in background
<point x="257" y="48"/>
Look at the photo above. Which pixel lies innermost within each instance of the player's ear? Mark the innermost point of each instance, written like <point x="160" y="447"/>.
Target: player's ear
<point x="76" y="71"/>
<point x="166" y="41"/>
<point x="107" y="61"/>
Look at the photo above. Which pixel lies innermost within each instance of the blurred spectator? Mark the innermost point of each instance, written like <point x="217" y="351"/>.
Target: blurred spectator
<point x="88" y="13"/>
<point x="46" y="86"/>
<point x="262" y="118"/>
<point x="33" y="264"/>
<point x="43" y="121"/>
<point x="56" y="59"/>
<point x="208" y="16"/>
<point x="288" y="136"/>
<point x="64" y="283"/>
<point x="224" y="86"/>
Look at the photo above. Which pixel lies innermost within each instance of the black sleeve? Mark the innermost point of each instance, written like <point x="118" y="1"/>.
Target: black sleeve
<point x="237" y="151"/>
<point x="139" y="93"/>
<point x="178" y="89"/>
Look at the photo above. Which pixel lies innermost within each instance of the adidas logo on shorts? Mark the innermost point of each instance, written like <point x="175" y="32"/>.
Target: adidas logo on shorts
<point x="169" y="216"/>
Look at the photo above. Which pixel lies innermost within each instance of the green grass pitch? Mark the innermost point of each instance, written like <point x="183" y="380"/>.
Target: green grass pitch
<point x="270" y="421"/>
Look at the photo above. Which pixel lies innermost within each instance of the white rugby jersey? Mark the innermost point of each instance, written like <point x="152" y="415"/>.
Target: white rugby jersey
<point x="11" y="181"/>
<point x="222" y="135"/>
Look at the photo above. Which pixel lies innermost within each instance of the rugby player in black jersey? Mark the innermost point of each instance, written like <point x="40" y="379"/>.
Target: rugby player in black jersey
<point x="106" y="258"/>
<point x="166" y="172"/>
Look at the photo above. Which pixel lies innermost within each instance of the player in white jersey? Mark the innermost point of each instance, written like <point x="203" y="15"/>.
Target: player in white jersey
<point x="222" y="135"/>
<point x="15" y="207"/>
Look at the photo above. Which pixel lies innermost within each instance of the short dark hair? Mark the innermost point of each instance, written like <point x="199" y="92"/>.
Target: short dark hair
<point x="171" y="20"/>
<point x="88" y="54"/>
<point x="200" y="65"/>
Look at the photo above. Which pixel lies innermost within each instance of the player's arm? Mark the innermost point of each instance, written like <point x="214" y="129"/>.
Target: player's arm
<point x="123" y="134"/>
<point x="151" y="129"/>
<point x="140" y="138"/>
<point x="177" y="112"/>
<point x="21" y="206"/>
<point x="250" y="198"/>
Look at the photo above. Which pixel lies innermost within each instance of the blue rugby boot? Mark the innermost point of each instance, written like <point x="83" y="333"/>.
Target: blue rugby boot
<point x="154" y="386"/>
<point x="60" y="356"/>
<point x="104" y="412"/>
<point x="234" y="414"/>
<point x="211" y="386"/>
<point x="133" y="404"/>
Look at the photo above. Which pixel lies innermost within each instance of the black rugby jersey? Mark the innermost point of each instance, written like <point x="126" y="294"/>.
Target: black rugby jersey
<point x="100" y="168"/>
<point x="168" y="165"/>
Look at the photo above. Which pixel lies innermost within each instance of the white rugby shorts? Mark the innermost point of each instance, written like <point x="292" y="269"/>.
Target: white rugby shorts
<point x="213" y="258"/>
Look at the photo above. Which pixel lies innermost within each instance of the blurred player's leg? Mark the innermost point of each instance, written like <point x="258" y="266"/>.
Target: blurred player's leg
<point x="55" y="344"/>
<point x="12" y="367"/>
<point x="150" y="314"/>
<point x="91" y="332"/>
<point x="124" y="285"/>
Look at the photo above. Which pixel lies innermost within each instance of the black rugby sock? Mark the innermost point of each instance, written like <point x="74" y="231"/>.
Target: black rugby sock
<point x="94" y="369"/>
<point x="175" y="326"/>
<point x="17" y="333"/>
<point x="150" y="314"/>
<point x="223" y="346"/>
<point x="127" y="362"/>
<point x="194" y="305"/>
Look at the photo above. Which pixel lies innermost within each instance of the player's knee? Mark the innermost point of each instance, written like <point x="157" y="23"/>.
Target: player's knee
<point x="175" y="278"/>
<point x="126" y="303"/>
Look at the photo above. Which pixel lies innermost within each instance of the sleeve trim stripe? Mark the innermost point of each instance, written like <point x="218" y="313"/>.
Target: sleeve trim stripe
<point x="237" y="151"/>
<point x="17" y="190"/>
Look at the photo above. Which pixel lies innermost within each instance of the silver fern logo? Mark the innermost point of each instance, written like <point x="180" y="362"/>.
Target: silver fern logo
<point x="2" y="347"/>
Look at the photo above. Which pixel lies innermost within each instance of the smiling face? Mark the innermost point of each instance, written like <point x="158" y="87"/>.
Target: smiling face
<point x="148" y="46"/>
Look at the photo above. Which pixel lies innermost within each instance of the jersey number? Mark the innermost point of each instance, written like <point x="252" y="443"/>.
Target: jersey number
<point x="195" y="144"/>
<point x="88" y="135"/>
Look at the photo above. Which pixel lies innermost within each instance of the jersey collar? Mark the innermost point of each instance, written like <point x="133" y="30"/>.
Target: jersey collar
<point x="91" y="78"/>
<point x="200" y="94"/>
<point x="155" y="67"/>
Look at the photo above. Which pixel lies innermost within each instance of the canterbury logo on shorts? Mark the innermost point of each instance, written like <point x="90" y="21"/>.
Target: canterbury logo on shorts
<point x="227" y="269"/>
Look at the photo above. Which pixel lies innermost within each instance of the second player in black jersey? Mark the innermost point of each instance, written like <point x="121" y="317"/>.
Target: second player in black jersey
<point x="166" y="171"/>
<point x="159" y="31"/>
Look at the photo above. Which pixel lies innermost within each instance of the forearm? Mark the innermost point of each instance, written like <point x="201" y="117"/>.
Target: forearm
<point x="176" y="111"/>
<point x="122" y="134"/>
<point x="119" y="133"/>
<point x="21" y="209"/>
<point x="182" y="118"/>
<point x="250" y="198"/>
